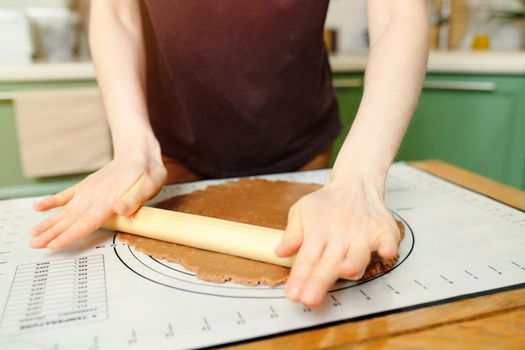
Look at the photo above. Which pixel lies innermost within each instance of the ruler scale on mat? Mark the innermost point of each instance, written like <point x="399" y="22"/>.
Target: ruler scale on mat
<point x="101" y="294"/>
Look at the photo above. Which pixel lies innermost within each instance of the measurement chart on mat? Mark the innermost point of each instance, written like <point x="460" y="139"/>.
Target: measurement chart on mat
<point x="51" y="293"/>
<point x="103" y="294"/>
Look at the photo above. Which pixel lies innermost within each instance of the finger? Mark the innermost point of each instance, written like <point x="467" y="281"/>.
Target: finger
<point x="356" y="260"/>
<point x="87" y="223"/>
<point x="388" y="245"/>
<point x="401" y="229"/>
<point x="46" y="223"/>
<point x="293" y="236"/>
<point x="57" y="200"/>
<point x="48" y="235"/>
<point x="304" y="264"/>
<point x="139" y="193"/>
<point x="325" y="274"/>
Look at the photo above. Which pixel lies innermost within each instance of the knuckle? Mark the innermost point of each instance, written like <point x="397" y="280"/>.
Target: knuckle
<point x="305" y="202"/>
<point x="291" y="228"/>
<point x="50" y="234"/>
<point x="397" y="232"/>
<point x="160" y="172"/>
<point x="70" y="209"/>
<point x="302" y="268"/>
<point x="62" y="195"/>
<point x="50" y="200"/>
<point x="132" y="203"/>
<point x="48" y="221"/>
<point x="362" y="243"/>
<point x="329" y="261"/>
<point x="390" y="236"/>
<point x="291" y="213"/>
<point x="305" y="265"/>
<point x="289" y="237"/>
<point x="391" y="226"/>
<point x="75" y="203"/>
<point x="299" y="276"/>
<point x="100" y="212"/>
<point x="323" y="279"/>
<point x="82" y="225"/>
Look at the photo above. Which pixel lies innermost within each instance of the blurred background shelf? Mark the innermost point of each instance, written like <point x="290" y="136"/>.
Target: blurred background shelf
<point x="471" y="112"/>
<point x="471" y="119"/>
<point x="13" y="182"/>
<point x="46" y="72"/>
<point x="462" y="62"/>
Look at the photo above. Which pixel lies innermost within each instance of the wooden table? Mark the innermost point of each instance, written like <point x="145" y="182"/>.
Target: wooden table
<point x="495" y="321"/>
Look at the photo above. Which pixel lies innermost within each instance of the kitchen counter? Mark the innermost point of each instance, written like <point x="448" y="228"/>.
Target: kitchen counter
<point x="483" y="322"/>
<point x="45" y="72"/>
<point x="469" y="62"/>
<point x="439" y="62"/>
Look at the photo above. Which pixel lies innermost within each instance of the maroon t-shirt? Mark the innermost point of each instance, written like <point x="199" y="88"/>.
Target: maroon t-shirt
<point x="239" y="87"/>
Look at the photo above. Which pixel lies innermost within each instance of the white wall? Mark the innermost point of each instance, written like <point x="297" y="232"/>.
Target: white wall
<point x="22" y="3"/>
<point x="348" y="17"/>
<point x="350" y="20"/>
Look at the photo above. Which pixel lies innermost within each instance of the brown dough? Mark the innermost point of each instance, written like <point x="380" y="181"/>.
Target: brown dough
<point x="250" y="201"/>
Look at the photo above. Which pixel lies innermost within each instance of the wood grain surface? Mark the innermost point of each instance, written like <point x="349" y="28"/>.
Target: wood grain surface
<point x="494" y="321"/>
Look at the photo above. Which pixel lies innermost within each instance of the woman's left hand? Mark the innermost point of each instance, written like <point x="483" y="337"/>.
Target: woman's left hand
<point x="333" y="232"/>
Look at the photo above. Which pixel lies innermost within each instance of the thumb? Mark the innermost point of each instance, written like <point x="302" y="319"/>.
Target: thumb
<point x="293" y="236"/>
<point x="133" y="199"/>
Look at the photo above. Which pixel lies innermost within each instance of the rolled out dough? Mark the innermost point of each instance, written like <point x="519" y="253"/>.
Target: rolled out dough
<point x="250" y="201"/>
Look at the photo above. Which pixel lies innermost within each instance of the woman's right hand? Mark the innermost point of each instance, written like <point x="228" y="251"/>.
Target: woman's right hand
<point x="137" y="173"/>
<point x="120" y="187"/>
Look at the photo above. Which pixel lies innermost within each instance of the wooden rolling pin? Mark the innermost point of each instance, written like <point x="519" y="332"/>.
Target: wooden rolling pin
<point x="223" y="236"/>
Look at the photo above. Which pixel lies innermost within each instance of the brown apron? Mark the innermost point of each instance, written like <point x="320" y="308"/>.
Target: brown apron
<point x="239" y="88"/>
<point x="178" y="172"/>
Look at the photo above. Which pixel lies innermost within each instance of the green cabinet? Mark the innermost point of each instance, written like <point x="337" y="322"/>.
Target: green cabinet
<point x="349" y="90"/>
<point x="474" y="121"/>
<point x="13" y="183"/>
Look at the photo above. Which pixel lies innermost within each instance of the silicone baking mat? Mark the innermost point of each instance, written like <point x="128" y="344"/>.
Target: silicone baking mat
<point x="101" y="294"/>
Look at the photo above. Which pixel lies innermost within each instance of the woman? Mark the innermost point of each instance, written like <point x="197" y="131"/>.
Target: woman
<point x="232" y="88"/>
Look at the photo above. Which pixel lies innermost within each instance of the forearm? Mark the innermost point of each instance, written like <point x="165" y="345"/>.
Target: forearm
<point x="118" y="54"/>
<point x="393" y="79"/>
